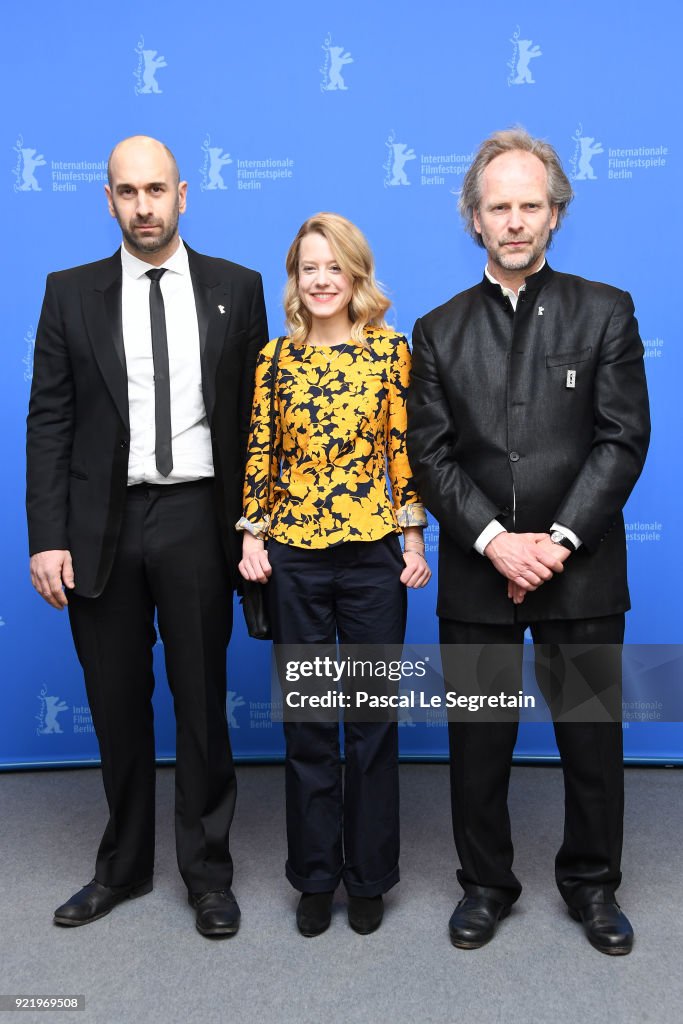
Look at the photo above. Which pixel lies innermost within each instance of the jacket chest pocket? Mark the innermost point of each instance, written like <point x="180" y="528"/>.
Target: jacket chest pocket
<point x="569" y="370"/>
<point x="579" y="355"/>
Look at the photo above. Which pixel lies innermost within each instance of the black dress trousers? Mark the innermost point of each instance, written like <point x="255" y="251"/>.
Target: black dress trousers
<point x="340" y="828"/>
<point x="587" y="866"/>
<point x="169" y="558"/>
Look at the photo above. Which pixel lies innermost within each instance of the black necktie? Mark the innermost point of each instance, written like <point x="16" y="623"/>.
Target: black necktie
<point x="162" y="383"/>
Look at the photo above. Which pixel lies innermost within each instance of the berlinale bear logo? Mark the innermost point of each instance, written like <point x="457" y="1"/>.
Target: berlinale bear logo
<point x="523" y="52"/>
<point x="212" y="165"/>
<point x="24" y="169"/>
<point x="50" y="707"/>
<point x="335" y="59"/>
<point x="399" y="155"/>
<point x="147" y="67"/>
<point x="585" y="148"/>
<point x="218" y="160"/>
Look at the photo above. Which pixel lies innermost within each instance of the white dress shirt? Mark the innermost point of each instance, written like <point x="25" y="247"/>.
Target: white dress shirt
<point x="493" y="528"/>
<point x="190" y="433"/>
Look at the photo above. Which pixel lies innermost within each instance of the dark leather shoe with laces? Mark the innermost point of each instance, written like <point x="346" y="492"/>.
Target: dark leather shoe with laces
<point x="314" y="913"/>
<point x="474" y="921"/>
<point x="95" y="901"/>
<point x="606" y="926"/>
<point x="218" y="915"/>
<point x="365" y="913"/>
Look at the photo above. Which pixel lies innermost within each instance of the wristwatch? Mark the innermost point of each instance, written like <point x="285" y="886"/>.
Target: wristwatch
<point x="559" y="538"/>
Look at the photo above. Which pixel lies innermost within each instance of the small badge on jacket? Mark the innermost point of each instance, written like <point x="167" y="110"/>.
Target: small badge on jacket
<point x="571" y="378"/>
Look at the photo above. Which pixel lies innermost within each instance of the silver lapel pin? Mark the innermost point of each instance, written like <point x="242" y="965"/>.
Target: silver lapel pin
<point x="540" y="310"/>
<point x="222" y="310"/>
<point x="571" y="378"/>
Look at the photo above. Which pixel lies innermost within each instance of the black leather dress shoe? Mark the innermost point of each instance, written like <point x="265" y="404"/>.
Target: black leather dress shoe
<point x="218" y="915"/>
<point x="95" y="901"/>
<point x="365" y="913"/>
<point x="606" y="926"/>
<point x="473" y="922"/>
<point x="314" y="913"/>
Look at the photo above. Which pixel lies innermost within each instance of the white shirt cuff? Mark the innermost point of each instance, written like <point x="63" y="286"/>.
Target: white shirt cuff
<point x="487" y="534"/>
<point x="569" y="534"/>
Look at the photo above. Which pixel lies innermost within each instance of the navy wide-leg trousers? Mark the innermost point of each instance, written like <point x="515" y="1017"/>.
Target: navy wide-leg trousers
<point x="340" y="828"/>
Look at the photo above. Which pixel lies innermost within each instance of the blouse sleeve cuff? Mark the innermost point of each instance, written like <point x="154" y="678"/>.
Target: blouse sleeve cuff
<point x="411" y="515"/>
<point x="258" y="529"/>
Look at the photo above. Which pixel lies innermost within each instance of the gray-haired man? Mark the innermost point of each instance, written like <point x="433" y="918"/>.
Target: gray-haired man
<point x="528" y="427"/>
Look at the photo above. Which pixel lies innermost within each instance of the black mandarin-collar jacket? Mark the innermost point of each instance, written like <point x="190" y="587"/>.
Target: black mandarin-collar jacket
<point x="495" y="432"/>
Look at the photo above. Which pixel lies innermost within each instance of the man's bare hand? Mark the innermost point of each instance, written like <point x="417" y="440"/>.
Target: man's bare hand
<point x="551" y="554"/>
<point x="524" y="559"/>
<point x="51" y="571"/>
<point x="515" y="592"/>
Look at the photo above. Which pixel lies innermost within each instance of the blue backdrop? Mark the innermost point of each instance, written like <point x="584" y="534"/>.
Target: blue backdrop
<point x="274" y="112"/>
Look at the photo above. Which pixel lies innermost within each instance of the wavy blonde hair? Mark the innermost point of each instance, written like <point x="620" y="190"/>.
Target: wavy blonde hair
<point x="351" y="250"/>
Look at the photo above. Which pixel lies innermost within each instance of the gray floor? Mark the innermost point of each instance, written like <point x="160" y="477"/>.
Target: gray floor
<point x="146" y="962"/>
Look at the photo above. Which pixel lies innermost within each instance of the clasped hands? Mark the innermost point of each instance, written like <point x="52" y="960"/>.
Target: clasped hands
<point x="526" y="560"/>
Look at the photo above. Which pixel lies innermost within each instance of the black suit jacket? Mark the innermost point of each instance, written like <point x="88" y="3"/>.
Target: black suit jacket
<point x="495" y="432"/>
<point x="78" y="428"/>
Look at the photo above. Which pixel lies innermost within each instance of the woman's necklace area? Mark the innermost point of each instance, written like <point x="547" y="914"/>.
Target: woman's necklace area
<point x="332" y="350"/>
<point x="328" y="370"/>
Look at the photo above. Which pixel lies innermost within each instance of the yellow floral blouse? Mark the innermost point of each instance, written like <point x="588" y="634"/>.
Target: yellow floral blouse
<point x="340" y="417"/>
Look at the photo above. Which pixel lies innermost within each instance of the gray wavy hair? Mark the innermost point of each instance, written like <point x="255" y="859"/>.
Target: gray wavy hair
<point x="560" y="193"/>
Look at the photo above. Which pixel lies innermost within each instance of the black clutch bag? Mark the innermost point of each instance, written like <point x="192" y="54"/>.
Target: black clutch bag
<point x="254" y="597"/>
<point x="255" y="608"/>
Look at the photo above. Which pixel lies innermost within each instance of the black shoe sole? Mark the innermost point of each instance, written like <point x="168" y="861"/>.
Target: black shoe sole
<point x="611" y="950"/>
<point x="364" y="929"/>
<point x="608" y="950"/>
<point x="308" y="934"/>
<point x="218" y="933"/>
<point x="464" y="944"/>
<point x="69" y="922"/>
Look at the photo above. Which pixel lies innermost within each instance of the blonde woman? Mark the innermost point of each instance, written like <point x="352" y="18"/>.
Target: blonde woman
<point x="336" y="568"/>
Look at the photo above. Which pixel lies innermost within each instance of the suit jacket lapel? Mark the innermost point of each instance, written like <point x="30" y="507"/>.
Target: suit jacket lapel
<point x="102" y="312"/>
<point x="213" y="301"/>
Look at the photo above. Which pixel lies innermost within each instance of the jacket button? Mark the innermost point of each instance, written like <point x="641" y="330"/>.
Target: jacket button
<point x="505" y="511"/>
<point x="123" y="444"/>
<point x="514" y="456"/>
